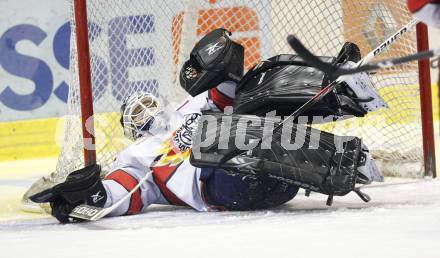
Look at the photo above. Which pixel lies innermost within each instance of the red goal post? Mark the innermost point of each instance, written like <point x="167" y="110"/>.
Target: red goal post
<point x="85" y="81"/>
<point x="260" y="26"/>
<point x="426" y="103"/>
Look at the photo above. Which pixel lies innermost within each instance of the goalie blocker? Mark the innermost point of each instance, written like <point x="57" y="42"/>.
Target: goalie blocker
<point x="297" y="155"/>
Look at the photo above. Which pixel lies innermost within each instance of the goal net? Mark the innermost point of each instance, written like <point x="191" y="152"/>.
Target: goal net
<point x="141" y="45"/>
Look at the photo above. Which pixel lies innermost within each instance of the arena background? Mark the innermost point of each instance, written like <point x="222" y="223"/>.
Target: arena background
<point x="34" y="61"/>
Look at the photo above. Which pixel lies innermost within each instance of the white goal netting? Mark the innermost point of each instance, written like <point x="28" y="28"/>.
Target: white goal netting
<point x="141" y="44"/>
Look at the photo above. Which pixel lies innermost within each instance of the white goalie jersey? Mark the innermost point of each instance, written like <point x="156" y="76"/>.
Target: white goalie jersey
<point x="165" y="158"/>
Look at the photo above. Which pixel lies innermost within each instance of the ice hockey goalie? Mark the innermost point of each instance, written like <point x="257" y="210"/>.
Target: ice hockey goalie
<point x="176" y="155"/>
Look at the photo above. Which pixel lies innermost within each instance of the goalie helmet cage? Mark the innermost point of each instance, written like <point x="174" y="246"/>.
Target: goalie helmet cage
<point x="141" y="44"/>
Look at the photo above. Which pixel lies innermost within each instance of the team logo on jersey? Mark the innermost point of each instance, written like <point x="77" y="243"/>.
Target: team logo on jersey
<point x="183" y="136"/>
<point x="211" y="49"/>
<point x="175" y="150"/>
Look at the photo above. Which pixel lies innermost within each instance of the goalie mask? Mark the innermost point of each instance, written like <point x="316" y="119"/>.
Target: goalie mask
<point x="213" y="60"/>
<point x="140" y="113"/>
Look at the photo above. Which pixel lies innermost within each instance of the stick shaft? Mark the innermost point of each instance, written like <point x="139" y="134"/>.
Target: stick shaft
<point x="386" y="63"/>
<point x="388" y="42"/>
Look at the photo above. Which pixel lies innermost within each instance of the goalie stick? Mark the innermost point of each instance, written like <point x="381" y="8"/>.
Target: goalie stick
<point x="93" y="213"/>
<point x="334" y="71"/>
<point x="324" y="91"/>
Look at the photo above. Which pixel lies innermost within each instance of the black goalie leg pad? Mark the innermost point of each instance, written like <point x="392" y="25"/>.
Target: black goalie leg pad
<point x="81" y="186"/>
<point x="299" y="155"/>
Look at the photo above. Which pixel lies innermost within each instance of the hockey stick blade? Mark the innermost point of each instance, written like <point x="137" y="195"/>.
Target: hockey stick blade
<point x="335" y="71"/>
<point x="87" y="212"/>
<point x="92" y="213"/>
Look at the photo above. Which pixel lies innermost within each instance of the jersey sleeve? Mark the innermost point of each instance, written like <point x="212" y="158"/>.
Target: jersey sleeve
<point x="223" y="95"/>
<point x="130" y="166"/>
<point x="121" y="181"/>
<point x="416" y="5"/>
<point x="427" y="11"/>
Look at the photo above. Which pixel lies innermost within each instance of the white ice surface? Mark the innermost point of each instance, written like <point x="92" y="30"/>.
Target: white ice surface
<point x="402" y="220"/>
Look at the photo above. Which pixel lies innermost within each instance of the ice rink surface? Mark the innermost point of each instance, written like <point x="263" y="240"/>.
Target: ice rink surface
<point x="402" y="220"/>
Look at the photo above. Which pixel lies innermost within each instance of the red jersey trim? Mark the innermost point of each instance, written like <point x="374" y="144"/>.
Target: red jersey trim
<point x="219" y="98"/>
<point x="161" y="176"/>
<point x="128" y="182"/>
<point x="416" y="5"/>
